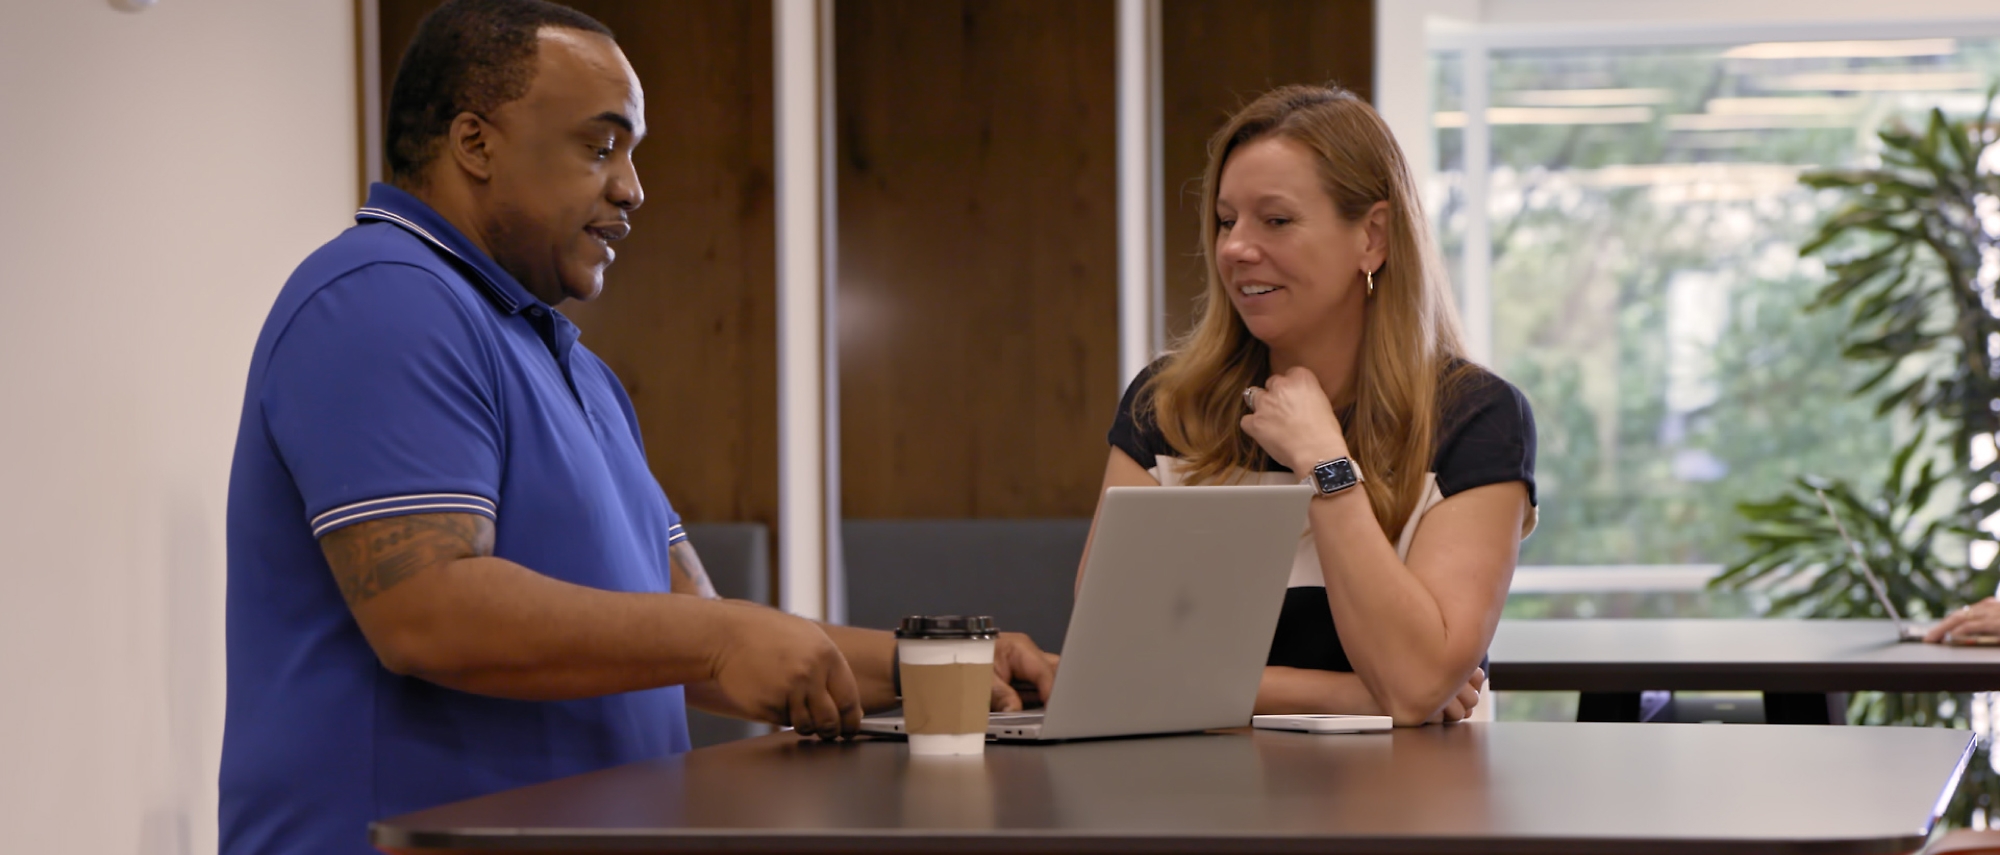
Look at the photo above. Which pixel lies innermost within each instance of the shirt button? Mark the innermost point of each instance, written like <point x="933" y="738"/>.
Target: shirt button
<point x="536" y="311"/>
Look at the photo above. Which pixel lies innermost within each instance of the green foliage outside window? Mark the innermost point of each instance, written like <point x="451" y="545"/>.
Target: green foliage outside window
<point x="1915" y="249"/>
<point x="1854" y="352"/>
<point x="1601" y="229"/>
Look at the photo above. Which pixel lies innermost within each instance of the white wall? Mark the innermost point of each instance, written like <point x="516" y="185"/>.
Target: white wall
<point x="160" y="175"/>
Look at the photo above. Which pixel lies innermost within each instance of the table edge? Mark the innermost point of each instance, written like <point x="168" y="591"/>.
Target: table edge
<point x="1520" y="676"/>
<point x="385" y="836"/>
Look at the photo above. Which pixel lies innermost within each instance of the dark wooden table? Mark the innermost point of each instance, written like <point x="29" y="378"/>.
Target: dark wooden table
<point x="1507" y="787"/>
<point x="1803" y="667"/>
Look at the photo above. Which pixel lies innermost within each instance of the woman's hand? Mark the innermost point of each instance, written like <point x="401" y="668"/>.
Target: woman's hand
<point x="1294" y="422"/>
<point x="1296" y="691"/>
<point x="1459" y="708"/>
<point x="1979" y="619"/>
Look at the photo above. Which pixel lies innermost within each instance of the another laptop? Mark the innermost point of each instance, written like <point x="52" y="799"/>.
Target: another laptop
<point x="1173" y="622"/>
<point x="1905" y="631"/>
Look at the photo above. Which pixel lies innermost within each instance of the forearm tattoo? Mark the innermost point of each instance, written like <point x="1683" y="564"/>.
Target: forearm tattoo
<point x="371" y="557"/>
<point x="688" y="571"/>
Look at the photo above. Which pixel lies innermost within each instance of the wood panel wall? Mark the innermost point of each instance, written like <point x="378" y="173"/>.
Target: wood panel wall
<point x="978" y="256"/>
<point x="688" y="314"/>
<point x="977" y="241"/>
<point x="1215" y="56"/>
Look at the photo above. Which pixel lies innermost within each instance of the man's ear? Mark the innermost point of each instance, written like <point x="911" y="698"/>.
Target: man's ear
<point x="1375" y="224"/>
<point x="469" y="142"/>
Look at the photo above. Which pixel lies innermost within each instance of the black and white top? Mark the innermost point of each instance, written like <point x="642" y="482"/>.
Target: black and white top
<point x="1486" y="435"/>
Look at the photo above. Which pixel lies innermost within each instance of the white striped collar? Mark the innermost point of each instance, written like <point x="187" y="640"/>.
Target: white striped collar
<point x="389" y="204"/>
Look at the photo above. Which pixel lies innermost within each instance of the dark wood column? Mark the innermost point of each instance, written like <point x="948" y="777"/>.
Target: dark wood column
<point x="688" y="314"/>
<point x="1216" y="55"/>
<point x="978" y="256"/>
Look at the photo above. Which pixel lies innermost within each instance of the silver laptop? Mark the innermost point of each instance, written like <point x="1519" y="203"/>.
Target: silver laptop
<point x="1173" y="623"/>
<point x="1905" y="631"/>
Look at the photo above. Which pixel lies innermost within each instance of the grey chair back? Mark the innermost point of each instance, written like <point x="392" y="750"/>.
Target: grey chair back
<point x="737" y="557"/>
<point x="1022" y="572"/>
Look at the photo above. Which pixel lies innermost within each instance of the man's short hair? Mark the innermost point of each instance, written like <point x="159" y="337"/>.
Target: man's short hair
<point x="468" y="56"/>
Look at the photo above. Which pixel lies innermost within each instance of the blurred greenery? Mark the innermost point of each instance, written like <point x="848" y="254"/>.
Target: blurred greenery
<point x="1918" y="553"/>
<point x="1646" y="286"/>
<point x="1913" y="263"/>
<point x="1703" y="343"/>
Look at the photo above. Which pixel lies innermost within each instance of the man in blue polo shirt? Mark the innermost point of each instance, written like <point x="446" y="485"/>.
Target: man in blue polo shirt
<point x="450" y="570"/>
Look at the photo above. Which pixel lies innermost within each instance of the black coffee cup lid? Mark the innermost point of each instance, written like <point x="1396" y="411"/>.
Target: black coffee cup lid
<point x="946" y="626"/>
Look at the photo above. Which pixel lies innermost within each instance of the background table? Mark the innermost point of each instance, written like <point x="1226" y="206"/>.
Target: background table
<point x="1544" y="787"/>
<point x="1797" y="664"/>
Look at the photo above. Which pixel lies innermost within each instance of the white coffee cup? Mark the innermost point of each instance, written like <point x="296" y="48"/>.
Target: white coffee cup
<point x="946" y="665"/>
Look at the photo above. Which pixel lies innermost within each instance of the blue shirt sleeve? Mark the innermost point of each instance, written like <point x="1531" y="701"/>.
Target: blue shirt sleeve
<point x="380" y="399"/>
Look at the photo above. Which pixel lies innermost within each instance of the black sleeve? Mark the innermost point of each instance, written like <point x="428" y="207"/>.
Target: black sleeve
<point x="1488" y="437"/>
<point x="1136" y="433"/>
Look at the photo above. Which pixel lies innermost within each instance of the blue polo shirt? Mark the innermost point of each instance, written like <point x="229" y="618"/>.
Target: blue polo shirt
<point x="403" y="372"/>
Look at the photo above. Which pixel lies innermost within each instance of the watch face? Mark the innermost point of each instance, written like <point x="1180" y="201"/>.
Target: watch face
<point x="1334" y="476"/>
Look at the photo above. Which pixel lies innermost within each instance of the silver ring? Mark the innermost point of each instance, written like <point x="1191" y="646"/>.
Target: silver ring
<point x="1250" y="398"/>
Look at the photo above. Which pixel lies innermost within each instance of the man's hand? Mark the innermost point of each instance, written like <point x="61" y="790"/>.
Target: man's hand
<point x="1979" y="619"/>
<point x="1017" y="659"/>
<point x="784" y="670"/>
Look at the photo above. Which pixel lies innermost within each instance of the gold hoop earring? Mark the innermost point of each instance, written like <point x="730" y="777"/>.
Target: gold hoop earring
<point x="1371" y="282"/>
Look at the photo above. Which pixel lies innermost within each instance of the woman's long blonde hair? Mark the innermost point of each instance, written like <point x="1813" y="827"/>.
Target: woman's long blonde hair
<point x="1410" y="338"/>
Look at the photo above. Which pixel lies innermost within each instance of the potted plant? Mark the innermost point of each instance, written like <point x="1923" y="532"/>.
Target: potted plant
<point x="1914" y="255"/>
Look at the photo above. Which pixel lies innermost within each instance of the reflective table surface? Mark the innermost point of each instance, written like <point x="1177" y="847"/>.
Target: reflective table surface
<point x="1498" y="787"/>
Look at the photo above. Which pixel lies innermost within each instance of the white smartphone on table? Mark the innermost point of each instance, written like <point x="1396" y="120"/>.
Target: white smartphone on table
<point x="1323" y="723"/>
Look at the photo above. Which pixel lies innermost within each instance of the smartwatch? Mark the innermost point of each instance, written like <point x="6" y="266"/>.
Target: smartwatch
<point x="1333" y="476"/>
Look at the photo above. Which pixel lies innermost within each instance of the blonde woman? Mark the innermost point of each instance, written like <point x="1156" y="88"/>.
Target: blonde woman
<point x="1326" y="349"/>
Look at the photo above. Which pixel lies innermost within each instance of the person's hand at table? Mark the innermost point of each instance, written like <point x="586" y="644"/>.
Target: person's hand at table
<point x="1979" y="619"/>
<point x="1460" y="707"/>
<point x="783" y="669"/>
<point x="1016" y="659"/>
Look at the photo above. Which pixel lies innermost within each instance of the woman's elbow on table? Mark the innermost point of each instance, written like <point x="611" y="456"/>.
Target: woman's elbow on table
<point x="1414" y="713"/>
<point x="1411" y="705"/>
